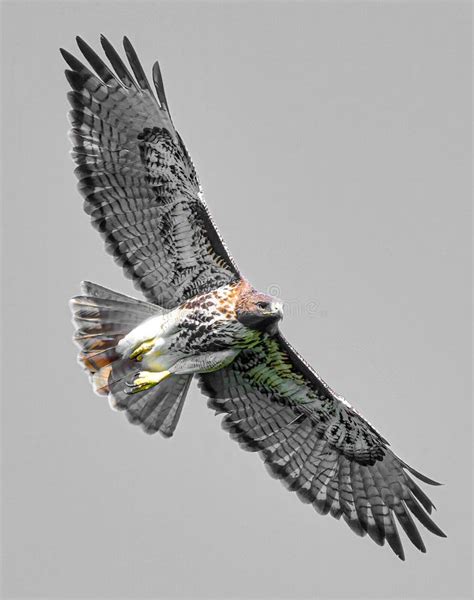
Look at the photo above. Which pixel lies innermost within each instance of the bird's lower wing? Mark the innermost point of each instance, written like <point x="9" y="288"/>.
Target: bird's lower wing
<point x="317" y="444"/>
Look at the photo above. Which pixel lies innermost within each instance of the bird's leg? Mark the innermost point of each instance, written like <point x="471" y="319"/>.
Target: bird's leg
<point x="142" y="349"/>
<point x="199" y="363"/>
<point x="144" y="380"/>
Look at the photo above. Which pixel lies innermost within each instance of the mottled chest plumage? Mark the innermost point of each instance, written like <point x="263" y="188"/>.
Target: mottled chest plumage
<point x="209" y="322"/>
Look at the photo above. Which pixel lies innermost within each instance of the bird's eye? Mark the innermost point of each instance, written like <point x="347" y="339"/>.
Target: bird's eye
<point x="263" y="305"/>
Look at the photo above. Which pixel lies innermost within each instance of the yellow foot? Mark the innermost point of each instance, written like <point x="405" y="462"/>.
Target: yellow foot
<point x="144" y="380"/>
<point x="142" y="349"/>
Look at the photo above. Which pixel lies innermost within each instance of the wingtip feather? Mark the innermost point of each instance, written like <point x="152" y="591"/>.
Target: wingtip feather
<point x="68" y="57"/>
<point x="419" y="475"/>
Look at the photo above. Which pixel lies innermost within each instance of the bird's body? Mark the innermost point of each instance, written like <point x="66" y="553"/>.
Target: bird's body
<point x="203" y="319"/>
<point x="203" y="334"/>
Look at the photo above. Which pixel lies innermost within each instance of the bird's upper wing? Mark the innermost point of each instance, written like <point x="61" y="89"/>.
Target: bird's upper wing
<point x="317" y="444"/>
<point x="138" y="181"/>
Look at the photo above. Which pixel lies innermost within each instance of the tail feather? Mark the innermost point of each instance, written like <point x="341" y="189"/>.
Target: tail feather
<point x="94" y="290"/>
<point x="152" y="411"/>
<point x="102" y="318"/>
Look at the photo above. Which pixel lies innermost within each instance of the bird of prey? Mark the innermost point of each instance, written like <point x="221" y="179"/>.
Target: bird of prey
<point x="203" y="319"/>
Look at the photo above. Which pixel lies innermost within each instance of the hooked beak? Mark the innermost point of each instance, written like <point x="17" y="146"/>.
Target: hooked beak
<point x="276" y="315"/>
<point x="277" y="309"/>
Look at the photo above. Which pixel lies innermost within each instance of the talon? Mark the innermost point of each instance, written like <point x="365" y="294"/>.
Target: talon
<point x="142" y="349"/>
<point x="144" y="380"/>
<point x="135" y="375"/>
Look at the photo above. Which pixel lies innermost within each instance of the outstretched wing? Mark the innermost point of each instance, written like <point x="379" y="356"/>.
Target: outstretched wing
<point x="138" y="181"/>
<point x="317" y="444"/>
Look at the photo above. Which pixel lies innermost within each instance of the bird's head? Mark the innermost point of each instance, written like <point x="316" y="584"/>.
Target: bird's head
<point x="259" y="311"/>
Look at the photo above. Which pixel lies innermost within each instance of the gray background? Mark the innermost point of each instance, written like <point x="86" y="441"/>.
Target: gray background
<point x="333" y="143"/>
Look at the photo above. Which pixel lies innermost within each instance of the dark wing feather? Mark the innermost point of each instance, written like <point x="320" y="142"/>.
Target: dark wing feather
<point x="138" y="181"/>
<point x="317" y="444"/>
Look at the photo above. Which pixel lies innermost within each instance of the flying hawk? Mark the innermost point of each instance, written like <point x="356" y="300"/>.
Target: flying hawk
<point x="203" y="318"/>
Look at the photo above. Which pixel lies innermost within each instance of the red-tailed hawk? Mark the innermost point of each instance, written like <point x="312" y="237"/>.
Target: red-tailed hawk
<point x="203" y="318"/>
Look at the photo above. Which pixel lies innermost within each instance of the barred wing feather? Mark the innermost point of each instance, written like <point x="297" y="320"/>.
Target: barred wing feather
<point x="317" y="444"/>
<point x="139" y="183"/>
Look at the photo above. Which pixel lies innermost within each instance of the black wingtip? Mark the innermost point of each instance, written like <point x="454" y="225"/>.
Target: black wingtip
<point x="74" y="79"/>
<point x="426" y="479"/>
<point x="95" y="61"/>
<point x="400" y="555"/>
<point x="128" y="47"/>
<point x="81" y="43"/>
<point x="419" y="546"/>
<point x="104" y="41"/>
<point x="65" y="54"/>
<point x="117" y="63"/>
<point x="136" y="66"/>
<point x="159" y="86"/>
<point x="71" y="60"/>
<point x="420" y="476"/>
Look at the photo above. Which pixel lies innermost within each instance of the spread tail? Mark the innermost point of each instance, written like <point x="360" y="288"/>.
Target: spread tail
<point x="102" y="318"/>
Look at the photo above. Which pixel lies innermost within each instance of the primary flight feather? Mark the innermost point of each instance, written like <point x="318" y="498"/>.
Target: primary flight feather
<point x="203" y="318"/>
